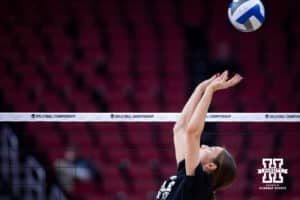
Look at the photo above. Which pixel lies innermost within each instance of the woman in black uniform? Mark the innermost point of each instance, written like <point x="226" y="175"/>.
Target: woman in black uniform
<point x="201" y="169"/>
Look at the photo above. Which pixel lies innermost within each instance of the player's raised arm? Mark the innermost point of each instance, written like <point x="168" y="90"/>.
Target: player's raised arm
<point x="196" y="123"/>
<point x="185" y="116"/>
<point x="191" y="104"/>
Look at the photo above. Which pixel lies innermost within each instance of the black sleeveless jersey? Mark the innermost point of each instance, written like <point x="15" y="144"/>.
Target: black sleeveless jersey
<point x="183" y="187"/>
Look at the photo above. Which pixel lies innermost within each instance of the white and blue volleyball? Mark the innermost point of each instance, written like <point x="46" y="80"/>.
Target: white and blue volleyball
<point x="246" y="15"/>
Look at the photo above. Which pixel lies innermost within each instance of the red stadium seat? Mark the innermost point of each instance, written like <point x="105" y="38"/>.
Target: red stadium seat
<point x="141" y="171"/>
<point x="168" y="169"/>
<point x="147" y="154"/>
<point x="114" y="185"/>
<point x="116" y="155"/>
<point x="140" y="138"/>
<point x="107" y="139"/>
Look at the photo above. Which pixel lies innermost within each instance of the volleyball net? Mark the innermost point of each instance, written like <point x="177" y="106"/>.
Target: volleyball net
<point x="144" y="117"/>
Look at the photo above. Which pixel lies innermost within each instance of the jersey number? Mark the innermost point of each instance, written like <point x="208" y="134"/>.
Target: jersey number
<point x="166" y="188"/>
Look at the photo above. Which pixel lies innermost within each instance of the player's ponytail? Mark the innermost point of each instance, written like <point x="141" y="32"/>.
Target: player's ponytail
<point x="225" y="172"/>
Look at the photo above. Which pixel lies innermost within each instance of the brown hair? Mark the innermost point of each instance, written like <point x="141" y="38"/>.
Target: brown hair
<point x="225" y="172"/>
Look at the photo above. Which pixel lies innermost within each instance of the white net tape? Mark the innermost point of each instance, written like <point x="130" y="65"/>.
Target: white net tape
<point x="143" y="117"/>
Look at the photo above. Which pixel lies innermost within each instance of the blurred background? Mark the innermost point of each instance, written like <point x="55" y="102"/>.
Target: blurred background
<point x="139" y="56"/>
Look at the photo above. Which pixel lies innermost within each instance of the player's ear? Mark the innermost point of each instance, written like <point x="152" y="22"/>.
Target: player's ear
<point x="210" y="167"/>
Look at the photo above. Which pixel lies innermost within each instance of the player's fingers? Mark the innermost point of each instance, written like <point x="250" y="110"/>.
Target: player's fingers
<point x="224" y="75"/>
<point x="208" y="81"/>
<point x="213" y="77"/>
<point x="234" y="80"/>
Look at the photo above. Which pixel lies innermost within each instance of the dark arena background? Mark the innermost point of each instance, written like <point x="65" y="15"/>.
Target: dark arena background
<point x="140" y="56"/>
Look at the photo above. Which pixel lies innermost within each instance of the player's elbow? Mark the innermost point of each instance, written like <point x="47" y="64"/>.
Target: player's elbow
<point x="193" y="130"/>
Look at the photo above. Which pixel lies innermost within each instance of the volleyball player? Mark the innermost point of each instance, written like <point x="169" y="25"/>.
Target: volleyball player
<point x="202" y="170"/>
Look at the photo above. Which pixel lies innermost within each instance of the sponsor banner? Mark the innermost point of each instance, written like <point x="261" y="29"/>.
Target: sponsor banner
<point x="131" y="116"/>
<point x="53" y="116"/>
<point x="282" y="116"/>
<point x="144" y="117"/>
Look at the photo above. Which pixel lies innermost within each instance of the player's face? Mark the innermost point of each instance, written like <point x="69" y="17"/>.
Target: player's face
<point x="208" y="154"/>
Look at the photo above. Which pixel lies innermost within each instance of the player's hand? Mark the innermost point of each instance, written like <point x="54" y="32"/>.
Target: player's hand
<point x="206" y="82"/>
<point x="222" y="81"/>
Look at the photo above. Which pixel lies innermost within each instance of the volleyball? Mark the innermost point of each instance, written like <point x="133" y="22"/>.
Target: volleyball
<point x="246" y="15"/>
